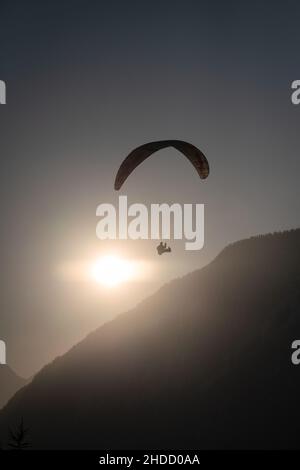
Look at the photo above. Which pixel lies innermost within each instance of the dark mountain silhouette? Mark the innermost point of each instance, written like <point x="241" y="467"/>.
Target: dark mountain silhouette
<point x="10" y="383"/>
<point x="203" y="363"/>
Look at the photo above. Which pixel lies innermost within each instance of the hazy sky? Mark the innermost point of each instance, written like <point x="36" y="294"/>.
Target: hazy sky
<point x="87" y="81"/>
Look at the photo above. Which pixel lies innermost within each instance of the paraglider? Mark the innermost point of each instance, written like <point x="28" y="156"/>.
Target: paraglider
<point x="141" y="153"/>
<point x="163" y="248"/>
<point x="138" y="155"/>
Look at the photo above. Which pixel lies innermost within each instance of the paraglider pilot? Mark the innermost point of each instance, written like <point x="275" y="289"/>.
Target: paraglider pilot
<point x="162" y="248"/>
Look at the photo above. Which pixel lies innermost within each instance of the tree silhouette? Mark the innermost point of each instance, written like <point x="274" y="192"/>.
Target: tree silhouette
<point x="18" y="437"/>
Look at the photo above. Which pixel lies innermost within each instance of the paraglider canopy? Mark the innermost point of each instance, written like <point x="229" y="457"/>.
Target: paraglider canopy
<point x="138" y="155"/>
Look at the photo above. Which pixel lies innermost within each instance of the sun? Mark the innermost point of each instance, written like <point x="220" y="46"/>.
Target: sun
<point x="111" y="271"/>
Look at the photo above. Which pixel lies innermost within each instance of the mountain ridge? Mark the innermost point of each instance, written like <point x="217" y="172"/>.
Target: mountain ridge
<point x="197" y="351"/>
<point x="10" y="384"/>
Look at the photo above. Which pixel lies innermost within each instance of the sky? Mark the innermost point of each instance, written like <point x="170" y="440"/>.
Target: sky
<point x="89" y="81"/>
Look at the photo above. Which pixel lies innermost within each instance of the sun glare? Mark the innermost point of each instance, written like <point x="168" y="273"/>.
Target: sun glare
<point x="111" y="271"/>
